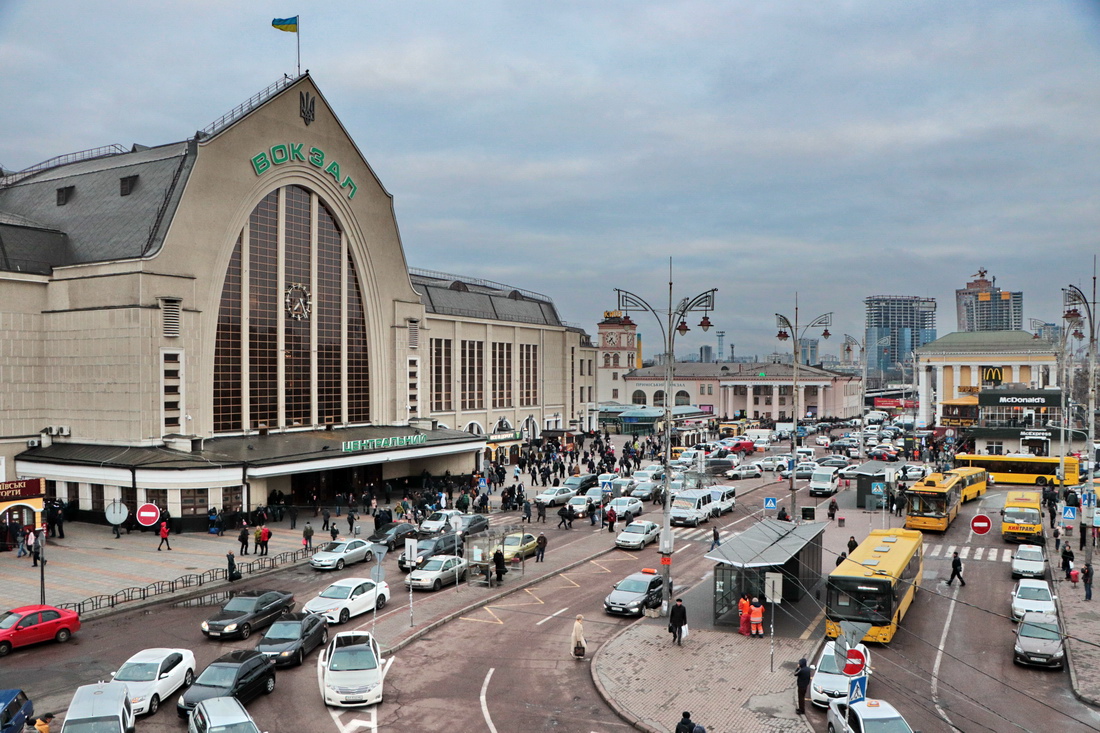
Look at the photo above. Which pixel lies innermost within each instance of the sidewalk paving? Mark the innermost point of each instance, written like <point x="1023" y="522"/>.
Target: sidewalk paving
<point x="1079" y="622"/>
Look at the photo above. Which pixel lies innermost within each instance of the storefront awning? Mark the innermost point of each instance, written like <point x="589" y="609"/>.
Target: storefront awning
<point x="770" y="543"/>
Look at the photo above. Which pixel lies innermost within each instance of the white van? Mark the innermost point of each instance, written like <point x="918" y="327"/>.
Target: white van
<point x="824" y="481"/>
<point x="103" y="707"/>
<point x="804" y="453"/>
<point x="722" y="499"/>
<point x="759" y="435"/>
<point x="691" y="507"/>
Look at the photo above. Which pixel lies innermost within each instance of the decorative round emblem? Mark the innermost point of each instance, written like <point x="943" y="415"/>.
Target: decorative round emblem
<point x="297" y="302"/>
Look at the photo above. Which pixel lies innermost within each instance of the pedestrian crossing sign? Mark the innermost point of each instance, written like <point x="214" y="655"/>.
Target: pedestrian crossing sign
<point x="857" y="689"/>
<point x="482" y="483"/>
<point x="1069" y="513"/>
<point x="877" y="488"/>
<point x="605" y="485"/>
<point x="771" y="502"/>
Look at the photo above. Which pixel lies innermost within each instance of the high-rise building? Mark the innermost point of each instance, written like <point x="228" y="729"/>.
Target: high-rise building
<point x="982" y="306"/>
<point x="897" y="324"/>
<point x="706" y="353"/>
<point x="808" y="351"/>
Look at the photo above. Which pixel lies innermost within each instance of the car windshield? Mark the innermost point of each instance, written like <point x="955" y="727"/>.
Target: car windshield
<point x="437" y="517"/>
<point x="284" y="631"/>
<point x="513" y="540"/>
<point x="349" y="659"/>
<point x="1033" y="594"/>
<point x="243" y="605"/>
<point x="385" y="529"/>
<point x="137" y="672"/>
<point x="1035" y="630"/>
<point x="632" y="585"/>
<point x="572" y="481"/>
<point x="635" y="528"/>
<point x="217" y="675"/>
<point x="94" y="725"/>
<point x="241" y="727"/>
<point x="1018" y="515"/>
<point x="827" y="664"/>
<point x="336" y="591"/>
<point x="433" y="565"/>
<point x="9" y="620"/>
<point x="334" y="547"/>
<point x="1030" y="555"/>
<point x="855" y="599"/>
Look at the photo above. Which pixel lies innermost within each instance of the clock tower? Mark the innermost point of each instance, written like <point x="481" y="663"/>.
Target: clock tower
<point x="618" y="350"/>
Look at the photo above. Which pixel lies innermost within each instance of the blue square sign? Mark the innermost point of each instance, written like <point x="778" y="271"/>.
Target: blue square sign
<point x="1069" y="513"/>
<point x="857" y="689"/>
<point x="877" y="488"/>
<point x="771" y="502"/>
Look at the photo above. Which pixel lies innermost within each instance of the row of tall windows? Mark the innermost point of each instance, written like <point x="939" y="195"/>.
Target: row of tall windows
<point x="471" y="375"/>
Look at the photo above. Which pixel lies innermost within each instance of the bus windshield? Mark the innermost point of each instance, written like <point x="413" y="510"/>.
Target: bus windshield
<point x="1022" y="515"/>
<point x="860" y="599"/>
<point x="927" y="505"/>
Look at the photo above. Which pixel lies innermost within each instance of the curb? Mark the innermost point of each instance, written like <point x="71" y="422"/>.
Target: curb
<point x="1070" y="665"/>
<point x="606" y="696"/>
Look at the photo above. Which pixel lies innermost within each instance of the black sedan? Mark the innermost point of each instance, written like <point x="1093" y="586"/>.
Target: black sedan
<point x="248" y="610"/>
<point x="393" y="534"/>
<point x="292" y="637"/>
<point x="473" y="524"/>
<point x="242" y="674"/>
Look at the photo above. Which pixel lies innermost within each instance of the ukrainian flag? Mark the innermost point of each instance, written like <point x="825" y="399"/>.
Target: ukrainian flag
<point x="290" y="25"/>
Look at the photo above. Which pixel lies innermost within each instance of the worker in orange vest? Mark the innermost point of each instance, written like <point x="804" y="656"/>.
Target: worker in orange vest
<point x="743" y="606"/>
<point x="756" y="617"/>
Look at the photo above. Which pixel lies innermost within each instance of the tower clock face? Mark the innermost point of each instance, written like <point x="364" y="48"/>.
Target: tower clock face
<point x="630" y="341"/>
<point x="610" y="339"/>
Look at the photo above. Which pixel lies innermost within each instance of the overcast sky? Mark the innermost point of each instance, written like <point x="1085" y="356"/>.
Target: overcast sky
<point x="836" y="149"/>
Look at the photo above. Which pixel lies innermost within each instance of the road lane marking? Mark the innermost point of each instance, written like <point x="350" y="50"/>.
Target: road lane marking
<point x="939" y="658"/>
<point x="964" y="553"/>
<point x="555" y="613"/>
<point x="486" y="609"/>
<point x="978" y="553"/>
<point x="681" y="549"/>
<point x="810" y="629"/>
<point x="1006" y="556"/>
<point x="484" y="705"/>
<point x="935" y="551"/>
<point x="950" y="550"/>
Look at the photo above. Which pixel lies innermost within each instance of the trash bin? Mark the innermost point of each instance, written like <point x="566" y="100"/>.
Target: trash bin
<point x="809" y="514"/>
<point x="840" y="521"/>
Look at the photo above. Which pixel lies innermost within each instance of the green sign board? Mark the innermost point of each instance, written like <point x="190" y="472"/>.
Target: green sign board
<point x="352" y="446"/>
<point x="294" y="152"/>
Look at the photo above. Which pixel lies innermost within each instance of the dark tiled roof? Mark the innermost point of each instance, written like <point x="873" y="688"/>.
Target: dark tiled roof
<point x="455" y="295"/>
<point x="27" y="247"/>
<point x="98" y="222"/>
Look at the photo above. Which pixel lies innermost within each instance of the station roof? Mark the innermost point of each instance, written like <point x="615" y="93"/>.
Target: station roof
<point x="769" y="543"/>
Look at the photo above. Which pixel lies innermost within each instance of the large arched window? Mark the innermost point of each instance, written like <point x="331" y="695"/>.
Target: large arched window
<point x="638" y="397"/>
<point x="659" y="398"/>
<point x="683" y="398"/>
<point x="319" y="376"/>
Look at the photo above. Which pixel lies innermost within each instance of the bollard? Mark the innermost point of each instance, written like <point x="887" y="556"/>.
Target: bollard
<point x="840" y="521"/>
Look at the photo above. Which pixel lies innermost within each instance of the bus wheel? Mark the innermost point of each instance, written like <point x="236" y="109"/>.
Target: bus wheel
<point x="1041" y="481"/>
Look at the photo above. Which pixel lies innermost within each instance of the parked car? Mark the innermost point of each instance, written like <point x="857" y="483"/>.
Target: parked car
<point x="393" y="534"/>
<point x="1032" y="596"/>
<point x="829" y="681"/>
<point x="864" y="716"/>
<point x="580" y="505"/>
<point x="246" y="611"/>
<point x="581" y="482"/>
<point x="637" y="535"/>
<point x="221" y="715"/>
<point x="745" y="470"/>
<point x="774" y="463"/>
<point x="801" y="471"/>
<point x="625" y="504"/>
<point x="644" y="491"/>
<point x="16" y="711"/>
<point x="913" y="472"/>
<point x="242" y="673"/>
<point x="352" y="670"/>
<point x="635" y="593"/>
<point x="444" y="544"/>
<point x="517" y="544"/>
<point x="335" y="555"/>
<point x="833" y="461"/>
<point x="1039" y="641"/>
<point x="473" y="524"/>
<point x="1029" y="562"/>
<point x="349" y="597"/>
<point x="555" y="495"/>
<point x="437" y="571"/>
<point x="438" y="522"/>
<point x="28" y="625"/>
<point x="152" y="675"/>
<point x="823" y="439"/>
<point x="293" y="636"/>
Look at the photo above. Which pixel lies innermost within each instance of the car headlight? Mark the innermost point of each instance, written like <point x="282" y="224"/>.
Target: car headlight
<point x="205" y="626"/>
<point x="1058" y="654"/>
<point x="1016" y="648"/>
<point x="285" y="654"/>
<point x="231" y="627"/>
<point x="633" y="604"/>
<point x="136" y="700"/>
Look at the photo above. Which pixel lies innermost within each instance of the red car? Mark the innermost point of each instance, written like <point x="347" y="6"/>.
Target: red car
<point x="33" y="624"/>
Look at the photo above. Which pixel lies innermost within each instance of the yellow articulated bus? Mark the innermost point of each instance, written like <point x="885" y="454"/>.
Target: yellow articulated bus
<point x="934" y="500"/>
<point x="1030" y="470"/>
<point x="876" y="584"/>
<point x="1022" y="517"/>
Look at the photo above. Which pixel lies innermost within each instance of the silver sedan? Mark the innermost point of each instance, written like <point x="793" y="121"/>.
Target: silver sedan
<point x="438" y="571"/>
<point x="637" y="535"/>
<point x="335" y="555"/>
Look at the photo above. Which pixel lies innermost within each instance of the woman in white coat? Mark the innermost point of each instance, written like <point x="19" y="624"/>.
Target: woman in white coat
<point x="576" y="641"/>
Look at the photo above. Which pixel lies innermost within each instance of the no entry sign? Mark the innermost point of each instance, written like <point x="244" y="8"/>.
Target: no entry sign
<point x="856" y="662"/>
<point x="981" y="524"/>
<point x="148" y="514"/>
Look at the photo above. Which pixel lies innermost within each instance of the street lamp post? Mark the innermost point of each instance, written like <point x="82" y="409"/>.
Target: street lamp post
<point x="704" y="302"/>
<point x="1072" y="297"/>
<point x="785" y="325"/>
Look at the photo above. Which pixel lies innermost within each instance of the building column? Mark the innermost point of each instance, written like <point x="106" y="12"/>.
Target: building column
<point x="924" y="396"/>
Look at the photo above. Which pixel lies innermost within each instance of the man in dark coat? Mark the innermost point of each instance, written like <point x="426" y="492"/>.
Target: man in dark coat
<point x="498" y="563"/>
<point x="677" y="620"/>
<point x="802" y="675"/>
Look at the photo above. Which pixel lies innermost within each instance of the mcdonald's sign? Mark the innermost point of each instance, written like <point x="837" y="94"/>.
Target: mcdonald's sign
<point x="992" y="375"/>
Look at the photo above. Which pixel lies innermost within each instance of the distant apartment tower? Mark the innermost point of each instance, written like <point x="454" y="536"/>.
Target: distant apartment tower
<point x="982" y="306"/>
<point x="808" y="351"/>
<point x="706" y="353"/>
<point x="901" y="323"/>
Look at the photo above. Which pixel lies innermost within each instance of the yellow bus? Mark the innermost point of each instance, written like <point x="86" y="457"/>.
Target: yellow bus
<point x="876" y="584"/>
<point x="934" y="500"/>
<point x="1031" y="470"/>
<point x="1022" y="517"/>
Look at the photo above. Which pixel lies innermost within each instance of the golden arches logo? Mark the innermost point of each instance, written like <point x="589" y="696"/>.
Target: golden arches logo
<point x="993" y="374"/>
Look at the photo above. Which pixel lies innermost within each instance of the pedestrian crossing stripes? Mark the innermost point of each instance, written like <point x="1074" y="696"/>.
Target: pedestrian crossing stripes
<point x="990" y="554"/>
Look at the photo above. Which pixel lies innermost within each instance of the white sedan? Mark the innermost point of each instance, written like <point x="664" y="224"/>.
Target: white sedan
<point x="437" y="571"/>
<point x="438" y="521"/>
<point x="353" y="670"/>
<point x="555" y="495"/>
<point x="153" y="675"/>
<point x="637" y="535"/>
<point x="829" y="681"/>
<point x="335" y="555"/>
<point x="745" y="470"/>
<point x="1032" y="595"/>
<point x="625" y="504"/>
<point x="349" y="597"/>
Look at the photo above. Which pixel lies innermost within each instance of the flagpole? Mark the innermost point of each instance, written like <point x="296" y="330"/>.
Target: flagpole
<point x="298" y="38"/>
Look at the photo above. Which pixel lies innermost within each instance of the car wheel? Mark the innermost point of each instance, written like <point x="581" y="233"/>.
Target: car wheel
<point x="301" y="657"/>
<point x="246" y="631"/>
<point x="831" y="728"/>
<point x="5" y="648"/>
<point x="339" y="564"/>
<point x="324" y="637"/>
<point x="188" y="679"/>
<point x="63" y="635"/>
<point x="154" y="704"/>
<point x="381" y="603"/>
<point x="269" y="686"/>
<point x="437" y="584"/>
<point x="344" y="616"/>
<point x="369" y="557"/>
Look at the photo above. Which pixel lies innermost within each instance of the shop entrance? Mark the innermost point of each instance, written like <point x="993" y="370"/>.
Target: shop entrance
<point x="326" y="484"/>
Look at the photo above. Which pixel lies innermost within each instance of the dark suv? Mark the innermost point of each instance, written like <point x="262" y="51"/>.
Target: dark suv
<point x="582" y="483"/>
<point x="445" y="544"/>
<point x="243" y="674"/>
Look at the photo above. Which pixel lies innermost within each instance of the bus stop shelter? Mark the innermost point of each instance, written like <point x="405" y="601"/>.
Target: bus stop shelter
<point x="743" y="563"/>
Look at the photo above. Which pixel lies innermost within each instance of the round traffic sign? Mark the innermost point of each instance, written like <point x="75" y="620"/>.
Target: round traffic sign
<point x="116" y="512"/>
<point x="856" y="662"/>
<point x="981" y="524"/>
<point x="148" y="514"/>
